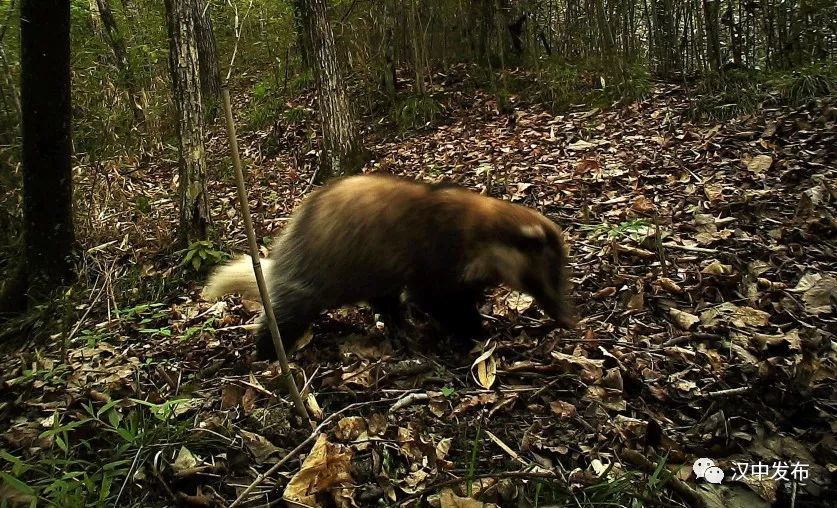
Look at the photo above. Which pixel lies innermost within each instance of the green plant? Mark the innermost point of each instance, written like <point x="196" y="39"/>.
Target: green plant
<point x="202" y="254"/>
<point x="71" y="473"/>
<point x="416" y="111"/>
<point x="472" y="462"/>
<point x="727" y="95"/>
<point x="264" y="106"/>
<point x="632" y="489"/>
<point x="637" y="230"/>
<point x="806" y="83"/>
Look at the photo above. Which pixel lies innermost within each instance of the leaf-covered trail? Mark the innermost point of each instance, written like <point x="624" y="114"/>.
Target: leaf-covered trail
<point x="704" y="265"/>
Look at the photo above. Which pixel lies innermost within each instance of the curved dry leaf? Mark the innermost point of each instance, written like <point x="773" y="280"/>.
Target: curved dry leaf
<point x="683" y="319"/>
<point x="484" y="369"/>
<point x="717" y="268"/>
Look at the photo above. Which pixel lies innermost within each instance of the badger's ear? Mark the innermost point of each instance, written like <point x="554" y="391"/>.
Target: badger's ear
<point x="530" y="236"/>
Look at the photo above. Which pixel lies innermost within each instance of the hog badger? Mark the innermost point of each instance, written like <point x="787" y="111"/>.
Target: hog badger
<point x="368" y="238"/>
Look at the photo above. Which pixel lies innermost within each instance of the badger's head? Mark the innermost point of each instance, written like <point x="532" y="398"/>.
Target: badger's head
<point x="527" y="253"/>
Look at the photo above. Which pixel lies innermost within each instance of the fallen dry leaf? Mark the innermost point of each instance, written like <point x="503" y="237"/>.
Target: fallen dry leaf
<point x="349" y="428"/>
<point x="484" y="369"/>
<point x="760" y="163"/>
<point x="684" y="320"/>
<point x="564" y="410"/>
<point x="325" y="473"/>
<point x="448" y="499"/>
<point x="259" y="446"/>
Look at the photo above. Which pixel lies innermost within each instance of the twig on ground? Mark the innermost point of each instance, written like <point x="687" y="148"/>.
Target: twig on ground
<point x="407" y="400"/>
<point x="726" y="393"/>
<point x="293" y="453"/>
<point x="687" y="248"/>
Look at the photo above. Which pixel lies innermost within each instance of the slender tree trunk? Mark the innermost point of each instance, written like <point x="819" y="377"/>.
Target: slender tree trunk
<point x="185" y="76"/>
<point x="207" y="55"/>
<point x="47" y="147"/>
<point x="117" y="45"/>
<point x="389" y="61"/>
<point x="95" y="17"/>
<point x="711" y="9"/>
<point x="734" y="34"/>
<point x="418" y="46"/>
<point x="665" y="36"/>
<point x="343" y="153"/>
<point x="303" y="36"/>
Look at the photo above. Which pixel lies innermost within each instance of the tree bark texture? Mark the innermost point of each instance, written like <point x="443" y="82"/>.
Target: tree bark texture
<point x="210" y="75"/>
<point x="711" y="10"/>
<point x="47" y="148"/>
<point x="185" y="75"/>
<point x="343" y="153"/>
<point x="95" y="17"/>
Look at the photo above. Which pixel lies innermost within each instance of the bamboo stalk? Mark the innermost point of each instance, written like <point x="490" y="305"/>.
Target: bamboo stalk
<point x="254" y="255"/>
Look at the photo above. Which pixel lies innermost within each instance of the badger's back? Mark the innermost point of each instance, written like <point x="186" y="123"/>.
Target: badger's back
<point x="356" y="238"/>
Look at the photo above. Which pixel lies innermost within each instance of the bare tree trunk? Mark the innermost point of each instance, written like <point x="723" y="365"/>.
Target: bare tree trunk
<point x="734" y="34"/>
<point x="117" y="45"/>
<point x="185" y="75"/>
<point x="343" y="153"/>
<point x="303" y="36"/>
<point x="665" y="36"/>
<point x="711" y="10"/>
<point x="389" y="61"/>
<point x="207" y="55"/>
<point x="418" y="46"/>
<point x="47" y="146"/>
<point x="95" y="16"/>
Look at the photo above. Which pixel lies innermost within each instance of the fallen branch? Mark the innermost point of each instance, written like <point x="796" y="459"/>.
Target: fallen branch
<point x="407" y="400"/>
<point x="726" y="393"/>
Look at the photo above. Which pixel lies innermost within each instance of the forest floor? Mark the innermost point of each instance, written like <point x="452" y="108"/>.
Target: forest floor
<point x="705" y="271"/>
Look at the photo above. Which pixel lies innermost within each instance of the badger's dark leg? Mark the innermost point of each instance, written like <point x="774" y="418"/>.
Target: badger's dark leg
<point x="294" y="313"/>
<point x="455" y="311"/>
<point x="390" y="309"/>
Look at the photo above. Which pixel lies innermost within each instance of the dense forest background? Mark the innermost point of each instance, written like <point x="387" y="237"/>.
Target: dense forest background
<point x="399" y="58"/>
<point x="686" y="147"/>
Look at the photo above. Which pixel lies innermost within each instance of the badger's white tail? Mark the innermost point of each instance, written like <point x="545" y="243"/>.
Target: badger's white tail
<point x="236" y="277"/>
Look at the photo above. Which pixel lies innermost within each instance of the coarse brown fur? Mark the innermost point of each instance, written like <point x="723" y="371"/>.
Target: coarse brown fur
<point x="367" y="238"/>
